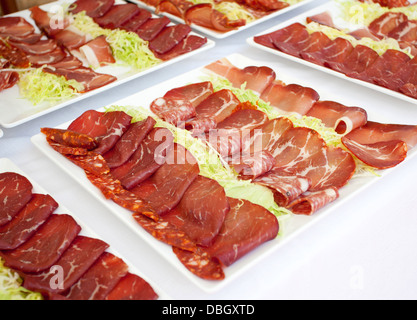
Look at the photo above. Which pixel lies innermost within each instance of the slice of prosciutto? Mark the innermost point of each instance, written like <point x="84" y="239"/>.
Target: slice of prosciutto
<point x="334" y="52"/>
<point x="386" y="23"/>
<point x="311" y="202"/>
<point x="49" y="23"/>
<point x="39" y="48"/>
<point x="92" y="9"/>
<point x="324" y="18"/>
<point x="98" y="52"/>
<point x="71" y="38"/>
<point x="15" y="26"/>
<point x="288" y="39"/>
<point x="360" y="59"/>
<point x="117" y="15"/>
<point x="406" y="31"/>
<point x="7" y="78"/>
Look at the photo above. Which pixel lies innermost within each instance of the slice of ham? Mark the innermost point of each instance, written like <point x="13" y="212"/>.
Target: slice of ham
<point x="69" y="62"/>
<point x="48" y="23"/>
<point x="406" y="31"/>
<point x="174" y="7"/>
<point x="311" y="202"/>
<point x="102" y="277"/>
<point x="15" y="26"/>
<point x="194" y="93"/>
<point x="254" y="165"/>
<point x="363" y="33"/>
<point x="128" y="143"/>
<point x="75" y="261"/>
<point x="106" y="127"/>
<point x="201" y="212"/>
<point x="168" y="38"/>
<point x="335" y="115"/>
<point x="29" y="39"/>
<point x="318" y="41"/>
<point x="94" y="9"/>
<point x="27" y="221"/>
<point x="146" y="160"/>
<point x="137" y="21"/>
<point x="289" y="39"/>
<point x="152" y="27"/>
<point x="386" y="23"/>
<point x="132" y="287"/>
<point x="324" y="18"/>
<point x="39" y="48"/>
<point x="15" y="193"/>
<point x="335" y="52"/>
<point x="98" y="52"/>
<point x="266" y="5"/>
<point x="117" y="15"/>
<point x="361" y="58"/>
<point x="53" y="57"/>
<point x="43" y="249"/>
<point x="7" y="78"/>
<point x="71" y="38"/>
<point x="190" y="43"/>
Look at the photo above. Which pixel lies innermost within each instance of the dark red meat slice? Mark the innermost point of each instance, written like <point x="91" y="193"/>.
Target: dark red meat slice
<point x="15" y="193"/>
<point x="406" y="31"/>
<point x="318" y="41"/>
<point x="74" y="262"/>
<point x="361" y="58"/>
<point x="107" y="127"/>
<point x="168" y="38"/>
<point x="98" y="52"/>
<point x="410" y="90"/>
<point x="337" y="116"/>
<point x="152" y="27"/>
<point x="149" y="157"/>
<point x="27" y="221"/>
<point x="289" y="39"/>
<point x="267" y="5"/>
<point x="201" y="212"/>
<point x="39" y="48"/>
<point x="94" y="9"/>
<point x="324" y="18"/>
<point x="165" y="189"/>
<point x="336" y="51"/>
<point x="100" y="279"/>
<point x="43" y="249"/>
<point x="138" y="20"/>
<point x="50" y="58"/>
<point x="190" y="43"/>
<point x="387" y="22"/>
<point x="15" y="26"/>
<point x="246" y="227"/>
<point x="132" y="287"/>
<point x="117" y="15"/>
<point x="129" y="142"/>
<point x="311" y="202"/>
<point x="406" y="75"/>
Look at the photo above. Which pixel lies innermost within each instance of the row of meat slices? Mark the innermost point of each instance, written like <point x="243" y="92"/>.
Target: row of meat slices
<point x="139" y="167"/>
<point x="39" y="243"/>
<point x="394" y="69"/>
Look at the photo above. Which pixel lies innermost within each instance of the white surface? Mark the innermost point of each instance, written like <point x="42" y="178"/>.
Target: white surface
<point x="332" y="9"/>
<point x="363" y="251"/>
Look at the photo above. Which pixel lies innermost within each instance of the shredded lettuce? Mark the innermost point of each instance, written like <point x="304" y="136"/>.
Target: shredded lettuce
<point x="11" y="286"/>
<point x="231" y="10"/>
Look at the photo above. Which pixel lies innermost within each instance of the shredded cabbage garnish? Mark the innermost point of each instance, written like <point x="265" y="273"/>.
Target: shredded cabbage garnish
<point x="232" y="10"/>
<point x="38" y="86"/>
<point x="11" y="286"/>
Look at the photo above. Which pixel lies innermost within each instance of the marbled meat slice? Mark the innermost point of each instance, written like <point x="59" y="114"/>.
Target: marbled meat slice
<point x="310" y="202"/>
<point x="100" y="279"/>
<point x="406" y="31"/>
<point x="39" y="48"/>
<point x="168" y="38"/>
<point x="324" y="18"/>
<point x="7" y="78"/>
<point x="27" y="221"/>
<point x="137" y="21"/>
<point x="317" y="42"/>
<point x="132" y="287"/>
<point x="386" y="23"/>
<point x="201" y="212"/>
<point x="194" y="93"/>
<point x="15" y="26"/>
<point x="190" y="43"/>
<point x="361" y="58"/>
<point x="50" y="58"/>
<point x="73" y="263"/>
<point x="335" y="52"/>
<point x="117" y="15"/>
<point x="152" y="27"/>
<point x="47" y="23"/>
<point x="47" y="245"/>
<point x="92" y="9"/>
<point x="254" y="165"/>
<point x="98" y="52"/>
<point x="15" y="193"/>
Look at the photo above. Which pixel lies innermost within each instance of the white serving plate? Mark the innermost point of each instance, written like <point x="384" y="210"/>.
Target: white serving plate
<point x="292" y="227"/>
<point x="330" y="7"/>
<point x="7" y="165"/>
<point x="222" y="35"/>
<point x="23" y="110"/>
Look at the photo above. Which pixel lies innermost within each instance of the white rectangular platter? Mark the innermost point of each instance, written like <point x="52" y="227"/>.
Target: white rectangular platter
<point x="332" y="9"/>
<point x="14" y="110"/>
<point x="222" y="35"/>
<point x="7" y="165"/>
<point x="292" y="226"/>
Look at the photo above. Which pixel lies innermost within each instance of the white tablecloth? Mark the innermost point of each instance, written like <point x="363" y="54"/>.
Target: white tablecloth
<point x="364" y="250"/>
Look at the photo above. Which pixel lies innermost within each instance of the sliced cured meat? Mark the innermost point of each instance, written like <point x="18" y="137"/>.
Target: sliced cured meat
<point x="201" y="264"/>
<point x="27" y="221"/>
<point x="324" y="18"/>
<point x="222" y="23"/>
<point x="165" y="232"/>
<point x="15" y="26"/>
<point x="132" y="287"/>
<point x="65" y="150"/>
<point x="152" y="27"/>
<point x="71" y="38"/>
<point x="117" y="15"/>
<point x="311" y="202"/>
<point x="406" y="75"/>
<point x="15" y="193"/>
<point x="94" y="9"/>
<point x="335" y="52"/>
<point x="386" y="23"/>
<point x="168" y="38"/>
<point x="29" y="39"/>
<point x="43" y="249"/>
<point x="129" y="142"/>
<point x="47" y="23"/>
<point x="50" y="58"/>
<point x="253" y="77"/>
<point x="245" y="120"/>
<point x="166" y="187"/>
<point x="100" y="279"/>
<point x="98" y="52"/>
<point x="74" y="262"/>
<point x="317" y="42"/>
<point x="409" y="89"/>
<point x="106" y="127"/>
<point x="406" y="31"/>
<point x="195" y="93"/>
<point x="70" y="138"/>
<point x="7" y="78"/>
<point x="149" y="157"/>
<point x="91" y="162"/>
<point x="175" y="7"/>
<point x="267" y="5"/>
<point x="14" y="55"/>
<point x="69" y="62"/>
<point x="39" y="48"/>
<point x="335" y="115"/>
<point x="291" y="98"/>
<point x="190" y="43"/>
<point x="246" y="227"/>
<point x="199" y="14"/>
<point x="217" y="107"/>
<point x="254" y="165"/>
<point x="361" y="58"/>
<point x="201" y="212"/>
<point x="173" y="111"/>
<point x="289" y="39"/>
<point x="137" y="21"/>
<point x="363" y="33"/>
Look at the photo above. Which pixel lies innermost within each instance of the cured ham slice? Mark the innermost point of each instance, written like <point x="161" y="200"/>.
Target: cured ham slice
<point x="98" y="52"/>
<point x="289" y="39"/>
<point x="69" y="62"/>
<point x="311" y="202"/>
<point x="47" y="23"/>
<point x="53" y="57"/>
<point x="129" y="142"/>
<point x="132" y="287"/>
<point x="335" y="52"/>
<point x="194" y="93"/>
<point x="117" y="15"/>
<point x="201" y="212"/>
<point x="361" y="58"/>
<point x="168" y="38"/>
<point x="137" y="21"/>
<point x="39" y="48"/>
<point x="94" y="9"/>
<point x="7" y="78"/>
<point x="406" y="31"/>
<point x="363" y="33"/>
<point x="149" y="157"/>
<point x="244" y="120"/>
<point x="341" y="118"/>
<point x="75" y="261"/>
<point x="152" y="27"/>
<point x="190" y="43"/>
<point x="27" y="221"/>
<point x="386" y="23"/>
<point x="291" y="98"/>
<point x="71" y="38"/>
<point x="100" y="279"/>
<point x="15" y="193"/>
<point x="323" y="18"/>
<point x="15" y="26"/>
<point x="43" y="249"/>
<point x="106" y="127"/>
<point x="175" y="7"/>
<point x="166" y="187"/>
<point x="223" y="24"/>
<point x="254" y="165"/>
<point x="317" y="42"/>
